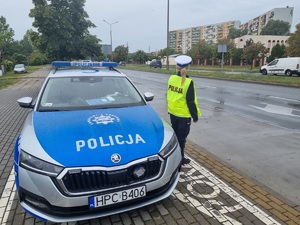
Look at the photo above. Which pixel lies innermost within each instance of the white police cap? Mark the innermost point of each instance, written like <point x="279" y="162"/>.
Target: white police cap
<point x="183" y="60"/>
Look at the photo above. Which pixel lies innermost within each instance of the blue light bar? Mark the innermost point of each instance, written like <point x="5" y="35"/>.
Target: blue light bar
<point x="83" y="64"/>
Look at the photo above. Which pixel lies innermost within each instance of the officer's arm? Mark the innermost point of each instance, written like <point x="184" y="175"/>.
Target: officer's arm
<point x="190" y="99"/>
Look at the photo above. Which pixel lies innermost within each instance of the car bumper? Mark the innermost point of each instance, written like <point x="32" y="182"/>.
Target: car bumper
<point x="20" y="71"/>
<point x="44" y="199"/>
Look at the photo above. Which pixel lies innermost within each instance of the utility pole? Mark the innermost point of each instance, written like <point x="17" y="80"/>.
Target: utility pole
<point x="168" y="40"/>
<point x="110" y="30"/>
<point x="1" y="59"/>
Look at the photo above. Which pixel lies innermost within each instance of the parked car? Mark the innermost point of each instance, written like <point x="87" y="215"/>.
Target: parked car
<point x="92" y="146"/>
<point x="155" y="64"/>
<point x="20" y="68"/>
<point x="122" y="63"/>
<point x="287" y="66"/>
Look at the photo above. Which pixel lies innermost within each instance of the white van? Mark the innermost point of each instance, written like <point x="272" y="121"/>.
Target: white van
<point x="287" y="66"/>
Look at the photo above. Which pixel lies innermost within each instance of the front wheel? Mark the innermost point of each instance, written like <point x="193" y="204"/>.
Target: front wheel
<point x="264" y="72"/>
<point x="288" y="73"/>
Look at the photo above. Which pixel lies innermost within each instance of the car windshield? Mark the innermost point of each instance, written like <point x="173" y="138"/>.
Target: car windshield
<point x="19" y="66"/>
<point x="89" y="92"/>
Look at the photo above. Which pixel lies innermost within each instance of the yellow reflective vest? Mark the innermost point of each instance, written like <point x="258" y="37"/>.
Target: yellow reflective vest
<point x="176" y="97"/>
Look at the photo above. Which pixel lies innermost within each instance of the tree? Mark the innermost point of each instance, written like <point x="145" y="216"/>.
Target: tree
<point x="230" y="48"/>
<point x="234" y="33"/>
<point x="36" y="58"/>
<point x="293" y="49"/>
<point x="254" y="51"/>
<point x="163" y="52"/>
<point x="214" y="52"/>
<point x="62" y="29"/>
<point x="277" y="52"/>
<point x="276" y="27"/>
<point x="140" y="56"/>
<point x="14" y="47"/>
<point x="198" y="50"/>
<point x="19" y="59"/>
<point x="6" y="37"/>
<point x="90" y="47"/>
<point x="6" y="33"/>
<point x="237" y="56"/>
<point x="120" y="53"/>
<point x="23" y="47"/>
<point x="209" y="53"/>
<point x="26" y="44"/>
<point x="154" y="55"/>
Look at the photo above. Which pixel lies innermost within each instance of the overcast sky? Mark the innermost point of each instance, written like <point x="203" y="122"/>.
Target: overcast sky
<point x="142" y="24"/>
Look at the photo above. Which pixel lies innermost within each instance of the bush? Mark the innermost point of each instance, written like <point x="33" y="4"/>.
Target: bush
<point x="37" y="59"/>
<point x="9" y="65"/>
<point x="19" y="58"/>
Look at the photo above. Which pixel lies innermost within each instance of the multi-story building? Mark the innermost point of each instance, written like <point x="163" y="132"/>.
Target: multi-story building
<point x="255" y="25"/>
<point x="269" y="41"/>
<point x="182" y="40"/>
<point x="175" y="38"/>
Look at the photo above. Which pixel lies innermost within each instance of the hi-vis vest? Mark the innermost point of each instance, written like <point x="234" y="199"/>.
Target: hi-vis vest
<point x="176" y="97"/>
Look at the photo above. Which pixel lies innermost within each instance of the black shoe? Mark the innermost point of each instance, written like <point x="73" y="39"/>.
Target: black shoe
<point x="185" y="161"/>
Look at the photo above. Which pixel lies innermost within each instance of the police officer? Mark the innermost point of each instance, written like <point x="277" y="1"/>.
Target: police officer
<point x="182" y="102"/>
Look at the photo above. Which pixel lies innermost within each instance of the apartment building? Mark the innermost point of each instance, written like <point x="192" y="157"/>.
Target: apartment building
<point x="255" y="25"/>
<point x="182" y="40"/>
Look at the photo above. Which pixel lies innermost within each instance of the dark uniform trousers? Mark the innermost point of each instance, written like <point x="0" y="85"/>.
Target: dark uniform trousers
<point x="181" y="127"/>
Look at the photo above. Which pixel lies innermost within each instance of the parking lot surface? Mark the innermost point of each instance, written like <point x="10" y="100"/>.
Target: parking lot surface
<point x="209" y="192"/>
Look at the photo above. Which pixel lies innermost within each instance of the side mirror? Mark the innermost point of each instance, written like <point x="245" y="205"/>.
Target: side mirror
<point x="25" y="102"/>
<point x="148" y="96"/>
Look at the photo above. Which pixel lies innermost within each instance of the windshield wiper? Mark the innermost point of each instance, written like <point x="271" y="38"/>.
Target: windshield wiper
<point x="49" y="110"/>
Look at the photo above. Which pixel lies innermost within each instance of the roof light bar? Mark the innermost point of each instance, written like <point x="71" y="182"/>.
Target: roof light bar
<point x="83" y="64"/>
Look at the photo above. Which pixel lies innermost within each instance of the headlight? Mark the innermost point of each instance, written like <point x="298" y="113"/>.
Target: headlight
<point x="39" y="166"/>
<point x="169" y="148"/>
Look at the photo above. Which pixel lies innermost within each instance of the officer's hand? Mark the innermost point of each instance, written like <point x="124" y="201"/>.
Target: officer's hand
<point x="195" y="121"/>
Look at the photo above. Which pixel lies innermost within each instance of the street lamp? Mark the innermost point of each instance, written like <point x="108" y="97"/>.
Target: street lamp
<point x="110" y="24"/>
<point x="168" y="41"/>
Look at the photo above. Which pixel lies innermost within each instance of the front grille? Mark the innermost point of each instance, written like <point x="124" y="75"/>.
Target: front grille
<point x="94" y="180"/>
<point x="84" y="210"/>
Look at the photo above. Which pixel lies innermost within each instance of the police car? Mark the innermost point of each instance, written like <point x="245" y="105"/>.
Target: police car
<point x="92" y="146"/>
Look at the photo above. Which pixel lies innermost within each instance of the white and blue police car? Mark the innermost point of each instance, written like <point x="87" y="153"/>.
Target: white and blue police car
<point x="91" y="146"/>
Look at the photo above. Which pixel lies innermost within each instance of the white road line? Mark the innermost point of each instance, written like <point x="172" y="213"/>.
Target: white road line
<point x="206" y="86"/>
<point x="7" y="197"/>
<point x="276" y="109"/>
<point x="288" y="99"/>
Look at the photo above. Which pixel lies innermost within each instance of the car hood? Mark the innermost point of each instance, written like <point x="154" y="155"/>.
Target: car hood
<point x="106" y="137"/>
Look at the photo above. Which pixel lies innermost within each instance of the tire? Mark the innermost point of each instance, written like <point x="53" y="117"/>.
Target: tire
<point x="264" y="72"/>
<point x="288" y="73"/>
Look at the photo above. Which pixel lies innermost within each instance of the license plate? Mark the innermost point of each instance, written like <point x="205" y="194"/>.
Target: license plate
<point x="117" y="197"/>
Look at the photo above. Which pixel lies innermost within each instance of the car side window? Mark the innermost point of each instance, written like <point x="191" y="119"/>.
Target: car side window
<point x="273" y="63"/>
